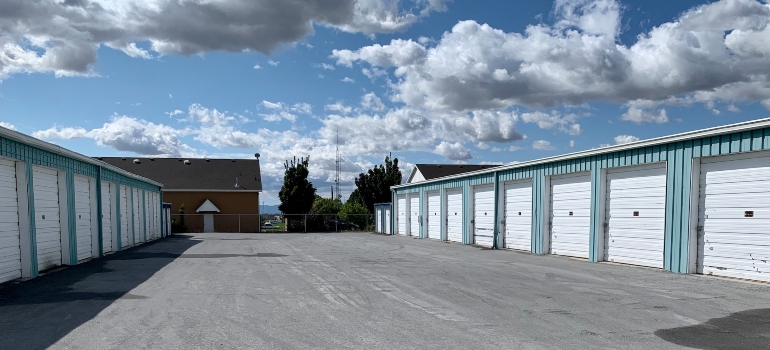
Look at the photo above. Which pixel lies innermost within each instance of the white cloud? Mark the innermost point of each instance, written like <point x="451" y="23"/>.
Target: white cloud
<point x="640" y="116"/>
<point x="321" y="76"/>
<point x="482" y="146"/>
<point x="273" y="63"/>
<point x="716" y="51"/>
<point x="733" y="108"/>
<point x="542" y="145"/>
<point x="67" y="46"/>
<point x="554" y="121"/>
<point x="621" y="139"/>
<point x="324" y="66"/>
<point x="8" y="125"/>
<point x="572" y="143"/>
<point x="514" y="148"/>
<point x="174" y="113"/>
<point x="370" y="101"/>
<point x="339" y="107"/>
<point x="452" y="151"/>
<point x="348" y="80"/>
<point x="272" y="105"/>
<point x="256" y="66"/>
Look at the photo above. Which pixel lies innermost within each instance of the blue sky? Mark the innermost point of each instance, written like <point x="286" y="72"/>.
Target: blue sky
<point x="432" y="81"/>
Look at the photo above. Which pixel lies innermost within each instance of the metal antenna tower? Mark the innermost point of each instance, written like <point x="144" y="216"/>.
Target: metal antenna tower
<point x="337" y="170"/>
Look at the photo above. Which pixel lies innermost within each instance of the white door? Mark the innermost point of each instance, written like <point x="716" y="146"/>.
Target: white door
<point x="83" y="217"/>
<point x="635" y="215"/>
<point x="107" y="200"/>
<point x="734" y="218"/>
<point x="484" y="215"/>
<point x="147" y="215"/>
<point x="414" y="214"/>
<point x="454" y="215"/>
<point x="208" y="222"/>
<point x="10" y="252"/>
<point x="401" y="218"/>
<point x="48" y="229"/>
<point x="378" y="220"/>
<point x="434" y="215"/>
<point x="518" y="215"/>
<point x="571" y="215"/>
<point x="137" y="216"/>
<point x="155" y="218"/>
<point x="387" y="220"/>
<point x="125" y="223"/>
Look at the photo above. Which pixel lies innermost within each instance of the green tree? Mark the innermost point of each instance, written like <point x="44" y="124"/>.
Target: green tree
<point x="356" y="213"/>
<point x="355" y="197"/>
<point x="297" y="193"/>
<point x="374" y="185"/>
<point x="326" y="206"/>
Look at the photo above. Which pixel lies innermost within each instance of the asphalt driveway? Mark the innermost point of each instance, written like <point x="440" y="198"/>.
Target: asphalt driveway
<point x="367" y="291"/>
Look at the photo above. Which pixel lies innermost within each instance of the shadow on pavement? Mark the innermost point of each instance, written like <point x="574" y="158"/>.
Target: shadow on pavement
<point x="748" y="329"/>
<point x="37" y="313"/>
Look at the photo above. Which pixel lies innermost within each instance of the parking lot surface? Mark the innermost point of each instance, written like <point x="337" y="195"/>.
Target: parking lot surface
<point x="368" y="291"/>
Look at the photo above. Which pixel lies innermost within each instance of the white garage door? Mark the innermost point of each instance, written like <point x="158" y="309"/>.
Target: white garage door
<point x="734" y="217"/>
<point x="454" y="215"/>
<point x="156" y="215"/>
<point x="518" y="215"/>
<point x="48" y="229"/>
<point x="137" y="217"/>
<point x="401" y="218"/>
<point x="414" y="215"/>
<point x="125" y="223"/>
<point x="484" y="215"/>
<point x="107" y="200"/>
<point x="571" y="215"/>
<point x="387" y="220"/>
<point x="83" y="217"/>
<point x="147" y="215"/>
<point x="635" y="215"/>
<point x="10" y="253"/>
<point x="378" y="219"/>
<point x="434" y="215"/>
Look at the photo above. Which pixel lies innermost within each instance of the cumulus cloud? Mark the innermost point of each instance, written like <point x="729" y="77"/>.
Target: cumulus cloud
<point x="348" y="80"/>
<point x="34" y="43"/>
<point x="641" y="116"/>
<point x="453" y="151"/>
<point x="370" y="101"/>
<point x="554" y="121"/>
<point x="716" y="51"/>
<point x="542" y="145"/>
<point x="324" y="66"/>
<point x="8" y="125"/>
<point x="621" y="139"/>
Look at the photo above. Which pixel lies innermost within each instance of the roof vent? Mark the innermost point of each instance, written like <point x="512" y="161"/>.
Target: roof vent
<point x="123" y="158"/>
<point x="208" y="160"/>
<point x="232" y="160"/>
<point x="137" y="161"/>
<point x="99" y="158"/>
<point x="439" y="166"/>
<point x="179" y="160"/>
<point x="187" y="162"/>
<point x="152" y="159"/>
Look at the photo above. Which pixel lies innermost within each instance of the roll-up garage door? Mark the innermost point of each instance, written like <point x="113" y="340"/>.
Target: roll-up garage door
<point x="635" y="215"/>
<point x="734" y="219"/>
<point x="10" y="252"/>
<point x="518" y="215"/>
<point x="401" y="215"/>
<point x="156" y="215"/>
<point x="108" y="197"/>
<point x="414" y="215"/>
<point x="147" y="214"/>
<point x="137" y="217"/>
<point x="571" y="215"/>
<point x="48" y="229"/>
<point x="454" y="215"/>
<point x="83" y="217"/>
<point x="387" y="220"/>
<point x="125" y="223"/>
<point x="434" y="215"/>
<point x="484" y="215"/>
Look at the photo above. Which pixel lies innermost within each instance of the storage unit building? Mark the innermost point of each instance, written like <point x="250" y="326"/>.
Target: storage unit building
<point x="689" y="203"/>
<point x="58" y="207"/>
<point x="382" y="217"/>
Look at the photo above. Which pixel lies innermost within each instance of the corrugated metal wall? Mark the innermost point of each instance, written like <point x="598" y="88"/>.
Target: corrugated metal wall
<point x="679" y="157"/>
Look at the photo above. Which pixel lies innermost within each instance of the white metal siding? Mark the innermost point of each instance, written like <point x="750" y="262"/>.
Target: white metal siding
<point x="518" y="215"/>
<point x="125" y="224"/>
<point x="401" y="218"/>
<point x="48" y="229"/>
<point x="414" y="215"/>
<point x="387" y="220"/>
<point x="571" y="215"/>
<point x="735" y="217"/>
<point x="378" y="219"/>
<point x="107" y="200"/>
<point x="137" y="217"/>
<point x="434" y="215"/>
<point x="148" y="214"/>
<point x="484" y="215"/>
<point x="454" y="215"/>
<point x="635" y="215"/>
<point x="10" y="252"/>
<point x="83" y="217"/>
<point x="156" y="215"/>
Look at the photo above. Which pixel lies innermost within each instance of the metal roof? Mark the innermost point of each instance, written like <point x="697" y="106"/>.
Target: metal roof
<point x="29" y="140"/>
<point x="690" y="135"/>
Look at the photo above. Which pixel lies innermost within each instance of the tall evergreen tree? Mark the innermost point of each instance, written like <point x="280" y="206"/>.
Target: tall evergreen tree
<point x="297" y="194"/>
<point x="374" y="185"/>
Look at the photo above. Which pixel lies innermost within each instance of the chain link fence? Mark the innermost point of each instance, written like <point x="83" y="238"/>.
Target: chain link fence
<point x="254" y="223"/>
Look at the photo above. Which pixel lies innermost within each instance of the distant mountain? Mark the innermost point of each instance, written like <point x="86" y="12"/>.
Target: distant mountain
<point x="269" y="209"/>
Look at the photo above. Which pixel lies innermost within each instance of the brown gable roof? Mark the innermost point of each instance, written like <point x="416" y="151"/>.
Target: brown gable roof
<point x="433" y="171"/>
<point x="200" y="174"/>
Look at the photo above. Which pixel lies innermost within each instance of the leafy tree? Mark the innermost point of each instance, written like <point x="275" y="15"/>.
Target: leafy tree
<point x="326" y="206"/>
<point x="374" y="186"/>
<point x="355" y="197"/>
<point x="297" y="194"/>
<point x="356" y="213"/>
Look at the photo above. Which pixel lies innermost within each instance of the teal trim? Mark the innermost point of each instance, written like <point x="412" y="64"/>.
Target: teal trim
<point x="99" y="218"/>
<point x="34" y="272"/>
<point x="496" y="227"/>
<point x="538" y="232"/>
<point x="144" y="215"/>
<point x="596" y="221"/>
<point x="69" y="177"/>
